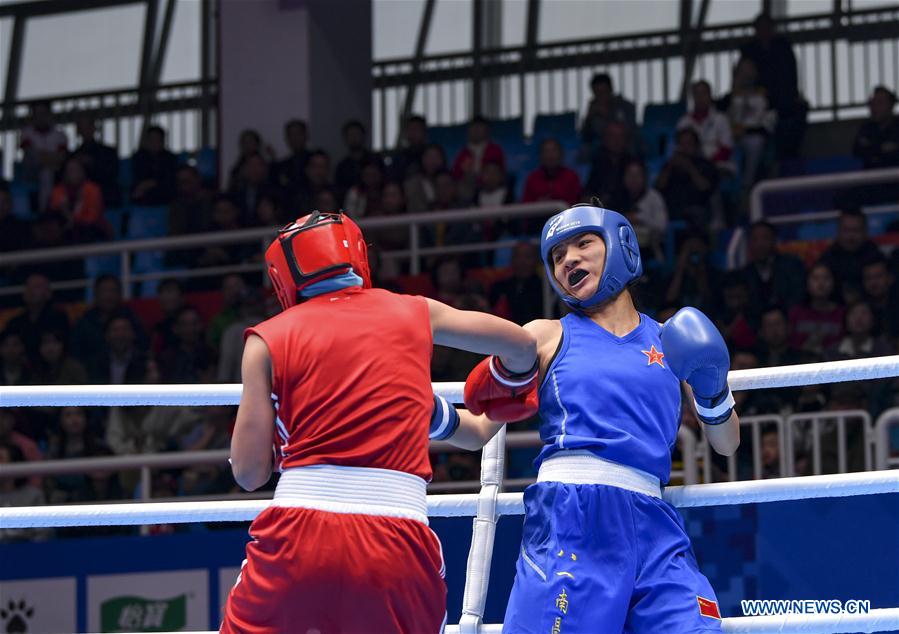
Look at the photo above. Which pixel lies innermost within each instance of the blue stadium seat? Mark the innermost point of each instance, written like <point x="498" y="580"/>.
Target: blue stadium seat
<point x="116" y="217"/>
<point x="145" y="223"/>
<point x="560" y="126"/>
<point x="207" y="164"/>
<point x="126" y="175"/>
<point x="451" y="137"/>
<point x="663" y="115"/>
<point x="507" y="131"/>
<point x="20" y="193"/>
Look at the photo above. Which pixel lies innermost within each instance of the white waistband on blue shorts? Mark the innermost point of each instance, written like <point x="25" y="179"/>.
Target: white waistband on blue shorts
<point x="360" y="490"/>
<point x="583" y="467"/>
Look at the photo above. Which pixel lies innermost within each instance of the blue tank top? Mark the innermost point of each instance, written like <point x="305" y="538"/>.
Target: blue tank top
<point x="612" y="396"/>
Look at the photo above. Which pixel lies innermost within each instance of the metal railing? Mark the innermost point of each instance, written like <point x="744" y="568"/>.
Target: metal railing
<point x="146" y="463"/>
<point x="186" y="111"/>
<point x="883" y="449"/>
<point x="819" y="181"/>
<point x="811" y="431"/>
<point x="757" y="425"/>
<point x="649" y="67"/>
<point x="414" y="254"/>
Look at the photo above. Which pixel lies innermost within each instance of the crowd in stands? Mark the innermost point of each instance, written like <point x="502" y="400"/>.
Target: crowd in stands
<point x="778" y="309"/>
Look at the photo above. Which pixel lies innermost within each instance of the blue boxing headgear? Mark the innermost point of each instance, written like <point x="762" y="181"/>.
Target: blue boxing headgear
<point x="622" y="266"/>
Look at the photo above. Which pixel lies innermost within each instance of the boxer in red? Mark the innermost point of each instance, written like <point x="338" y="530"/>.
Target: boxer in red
<point x="340" y="381"/>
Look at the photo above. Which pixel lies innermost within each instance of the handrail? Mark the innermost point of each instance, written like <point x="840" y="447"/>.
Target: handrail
<point x="169" y="459"/>
<point x="817" y="181"/>
<point x="244" y="235"/>
<point x="887" y="420"/>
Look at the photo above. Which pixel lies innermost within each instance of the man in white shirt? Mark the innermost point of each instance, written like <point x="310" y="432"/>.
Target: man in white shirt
<point x="712" y="127"/>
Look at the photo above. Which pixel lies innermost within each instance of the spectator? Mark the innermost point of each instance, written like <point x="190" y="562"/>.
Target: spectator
<point x="420" y="185"/>
<point x="19" y="492"/>
<point x="249" y="144"/>
<point x="270" y="211"/>
<point x="349" y="169"/>
<point x="14" y="232"/>
<point x="233" y="288"/>
<point x="520" y="297"/>
<point x="774" y="278"/>
<point x="80" y="202"/>
<point x="773" y="56"/>
<point x="646" y="210"/>
<point x="495" y="190"/>
<point x="694" y="281"/>
<point x="250" y="312"/>
<point x="364" y="198"/>
<point x="552" y="180"/>
<point x="817" y="323"/>
<point x="88" y="334"/>
<point x="770" y="449"/>
<point x="171" y="300"/>
<point x="755" y="402"/>
<point x="882" y="294"/>
<point x="291" y="171"/>
<point x="711" y="126"/>
<point x="120" y="361"/>
<point x="849" y="253"/>
<point x="189" y="359"/>
<point x="101" y="161"/>
<point x="10" y="436"/>
<point x="44" y="148"/>
<point x="605" y="107"/>
<point x="48" y="232"/>
<point x="407" y="161"/>
<point x="72" y="440"/>
<point x="153" y="168"/>
<point x="860" y="340"/>
<point x="736" y="319"/>
<point x="688" y="181"/>
<point x="326" y="200"/>
<point x="225" y="217"/>
<point x="192" y="205"/>
<point x="477" y="152"/>
<point x="38" y="315"/>
<point x="606" y="179"/>
<point x="318" y="178"/>
<point x="253" y="185"/>
<point x="877" y="141"/>
<point x="392" y="203"/>
<point x="751" y="120"/>
<point x="774" y="347"/>
<point x="54" y="366"/>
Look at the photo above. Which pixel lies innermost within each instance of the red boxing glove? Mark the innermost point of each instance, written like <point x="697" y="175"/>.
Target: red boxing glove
<point x="504" y="396"/>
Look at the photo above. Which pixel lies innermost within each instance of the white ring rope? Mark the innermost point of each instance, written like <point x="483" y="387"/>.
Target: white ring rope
<point x="877" y="620"/>
<point x="453" y="505"/>
<point x="229" y="394"/>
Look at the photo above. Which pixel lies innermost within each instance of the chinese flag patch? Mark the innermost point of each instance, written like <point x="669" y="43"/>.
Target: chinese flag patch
<point x="708" y="608"/>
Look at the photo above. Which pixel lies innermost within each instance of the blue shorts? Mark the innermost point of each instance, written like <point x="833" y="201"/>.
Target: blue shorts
<point x="600" y="559"/>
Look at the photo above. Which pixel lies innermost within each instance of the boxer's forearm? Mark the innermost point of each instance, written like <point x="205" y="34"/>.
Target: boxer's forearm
<point x="474" y="431"/>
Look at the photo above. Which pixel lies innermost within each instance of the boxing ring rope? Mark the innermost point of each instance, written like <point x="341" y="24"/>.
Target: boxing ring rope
<point x="229" y="393"/>
<point x="449" y="505"/>
<point x="488" y="505"/>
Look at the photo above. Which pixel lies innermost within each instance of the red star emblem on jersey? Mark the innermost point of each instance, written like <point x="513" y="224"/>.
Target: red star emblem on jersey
<point x="654" y="356"/>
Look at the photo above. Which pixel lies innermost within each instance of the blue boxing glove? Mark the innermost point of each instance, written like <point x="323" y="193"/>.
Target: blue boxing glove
<point x="697" y="354"/>
<point x="444" y="419"/>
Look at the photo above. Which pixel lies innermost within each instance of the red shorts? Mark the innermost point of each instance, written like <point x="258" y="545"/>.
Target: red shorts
<point x="315" y="572"/>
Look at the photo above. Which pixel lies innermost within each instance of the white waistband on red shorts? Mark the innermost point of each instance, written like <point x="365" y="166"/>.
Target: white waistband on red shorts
<point x="583" y="467"/>
<point x="361" y="490"/>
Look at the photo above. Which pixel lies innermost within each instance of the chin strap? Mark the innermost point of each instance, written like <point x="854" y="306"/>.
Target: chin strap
<point x="332" y="284"/>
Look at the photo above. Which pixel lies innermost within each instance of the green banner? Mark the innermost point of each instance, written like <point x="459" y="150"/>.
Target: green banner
<point x="137" y="614"/>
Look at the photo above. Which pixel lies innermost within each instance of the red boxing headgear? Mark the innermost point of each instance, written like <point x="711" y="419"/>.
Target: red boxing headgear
<point x="314" y="248"/>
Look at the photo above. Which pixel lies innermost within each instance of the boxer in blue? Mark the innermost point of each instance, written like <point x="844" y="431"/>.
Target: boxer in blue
<point x="601" y="552"/>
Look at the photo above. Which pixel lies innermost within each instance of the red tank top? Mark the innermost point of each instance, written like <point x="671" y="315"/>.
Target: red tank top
<point x="351" y="381"/>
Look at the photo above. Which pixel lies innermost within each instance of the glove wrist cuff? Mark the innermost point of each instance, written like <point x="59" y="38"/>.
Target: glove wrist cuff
<point x="716" y="410"/>
<point x="511" y="379"/>
<point x="444" y="419"/>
